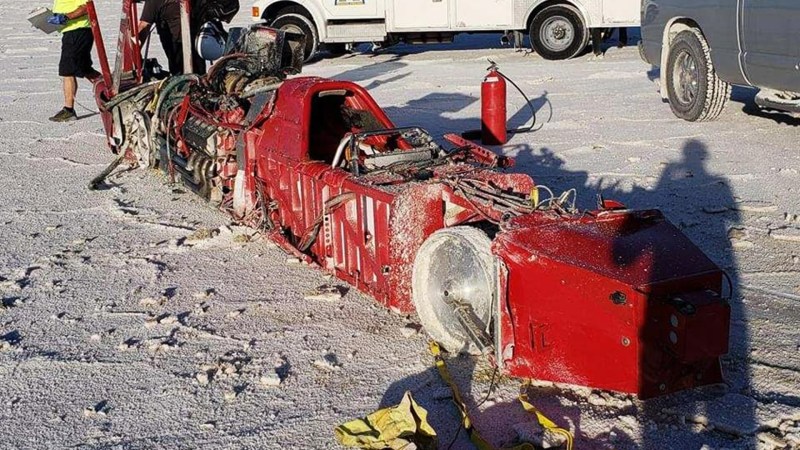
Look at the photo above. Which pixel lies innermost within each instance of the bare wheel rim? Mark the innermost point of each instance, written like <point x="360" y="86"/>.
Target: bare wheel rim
<point x="686" y="78"/>
<point x="292" y="28"/>
<point x="141" y="140"/>
<point x="453" y="271"/>
<point x="557" y="33"/>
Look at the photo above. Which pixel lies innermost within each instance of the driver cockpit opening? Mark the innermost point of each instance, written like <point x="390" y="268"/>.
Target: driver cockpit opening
<point x="335" y="114"/>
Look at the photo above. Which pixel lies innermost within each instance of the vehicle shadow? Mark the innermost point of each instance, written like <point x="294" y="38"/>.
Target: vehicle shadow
<point x="432" y="393"/>
<point x="746" y="97"/>
<point x="497" y="420"/>
<point x="477" y="41"/>
<point x="613" y="41"/>
<point x="703" y="206"/>
<point x="375" y="70"/>
<point x="432" y="112"/>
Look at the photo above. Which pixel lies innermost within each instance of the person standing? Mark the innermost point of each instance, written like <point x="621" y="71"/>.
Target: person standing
<point x="76" y="52"/>
<point x="166" y="16"/>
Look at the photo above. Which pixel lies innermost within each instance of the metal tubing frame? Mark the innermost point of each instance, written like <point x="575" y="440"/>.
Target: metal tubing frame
<point x="186" y="36"/>
<point x="100" y="47"/>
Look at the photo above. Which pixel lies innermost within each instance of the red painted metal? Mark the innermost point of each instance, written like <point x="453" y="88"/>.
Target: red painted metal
<point x="128" y="63"/>
<point x="562" y="274"/>
<point x="611" y="299"/>
<point x="101" y="50"/>
<point x="616" y="300"/>
<point x="494" y="116"/>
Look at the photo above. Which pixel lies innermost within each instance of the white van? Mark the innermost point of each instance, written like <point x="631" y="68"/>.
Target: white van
<point x="559" y="29"/>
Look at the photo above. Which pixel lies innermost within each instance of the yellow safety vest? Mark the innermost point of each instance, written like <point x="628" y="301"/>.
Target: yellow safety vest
<point x="66" y="7"/>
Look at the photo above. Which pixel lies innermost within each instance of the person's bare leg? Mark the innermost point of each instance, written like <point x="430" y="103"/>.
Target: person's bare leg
<point x="70" y="89"/>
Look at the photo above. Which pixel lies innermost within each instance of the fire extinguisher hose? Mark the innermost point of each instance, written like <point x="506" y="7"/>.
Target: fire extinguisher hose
<point x="528" y="128"/>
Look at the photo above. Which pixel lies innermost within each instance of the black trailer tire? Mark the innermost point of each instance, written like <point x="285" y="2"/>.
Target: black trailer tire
<point x="558" y="32"/>
<point x="293" y="20"/>
<point x="694" y="90"/>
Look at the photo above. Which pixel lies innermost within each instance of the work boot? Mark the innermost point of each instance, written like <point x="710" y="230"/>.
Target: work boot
<point x="65" y="115"/>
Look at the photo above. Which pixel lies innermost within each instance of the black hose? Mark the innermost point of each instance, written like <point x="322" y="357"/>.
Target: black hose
<point x="530" y="105"/>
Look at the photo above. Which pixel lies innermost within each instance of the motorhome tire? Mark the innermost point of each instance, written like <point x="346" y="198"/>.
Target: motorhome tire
<point x="294" y="21"/>
<point x="558" y="32"/>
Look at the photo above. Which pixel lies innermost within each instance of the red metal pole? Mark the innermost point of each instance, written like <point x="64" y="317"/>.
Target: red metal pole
<point x="138" y="64"/>
<point x="101" y="48"/>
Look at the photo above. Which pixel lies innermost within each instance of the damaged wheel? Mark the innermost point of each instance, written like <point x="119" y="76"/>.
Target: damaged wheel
<point x="455" y="268"/>
<point x="142" y="141"/>
<point x="294" y="20"/>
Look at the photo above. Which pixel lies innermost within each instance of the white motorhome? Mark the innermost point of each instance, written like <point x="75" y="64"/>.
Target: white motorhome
<point x="559" y="29"/>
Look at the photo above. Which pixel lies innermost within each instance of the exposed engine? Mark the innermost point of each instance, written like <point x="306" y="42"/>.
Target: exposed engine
<point x="190" y="127"/>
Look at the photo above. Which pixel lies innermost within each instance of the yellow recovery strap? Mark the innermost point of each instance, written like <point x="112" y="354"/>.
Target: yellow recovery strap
<point x="473" y="434"/>
<point x="405" y="426"/>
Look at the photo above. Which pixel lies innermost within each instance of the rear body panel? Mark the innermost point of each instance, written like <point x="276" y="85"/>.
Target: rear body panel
<point x="770" y="43"/>
<point x="593" y="302"/>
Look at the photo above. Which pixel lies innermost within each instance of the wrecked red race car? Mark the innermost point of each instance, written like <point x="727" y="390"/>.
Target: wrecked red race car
<point x="611" y="298"/>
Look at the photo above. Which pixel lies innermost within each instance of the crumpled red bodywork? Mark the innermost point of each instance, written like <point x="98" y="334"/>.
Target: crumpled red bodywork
<point x="611" y="299"/>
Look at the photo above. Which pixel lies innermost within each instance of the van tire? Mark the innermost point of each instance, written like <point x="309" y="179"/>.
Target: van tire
<point x="294" y="19"/>
<point x="558" y="32"/>
<point x="694" y="90"/>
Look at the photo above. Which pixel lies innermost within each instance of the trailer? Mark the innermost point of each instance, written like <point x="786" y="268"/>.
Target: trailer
<point x="558" y="29"/>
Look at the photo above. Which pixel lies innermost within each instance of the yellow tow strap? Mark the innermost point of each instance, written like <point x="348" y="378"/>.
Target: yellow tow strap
<point x="473" y="434"/>
<point x="405" y="426"/>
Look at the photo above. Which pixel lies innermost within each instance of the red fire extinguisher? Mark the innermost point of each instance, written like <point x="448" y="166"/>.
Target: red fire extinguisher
<point x="493" y="108"/>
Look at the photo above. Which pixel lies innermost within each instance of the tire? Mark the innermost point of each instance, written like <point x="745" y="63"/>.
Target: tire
<point x="694" y="90"/>
<point x="454" y="263"/>
<point x="293" y="20"/>
<point x="558" y="32"/>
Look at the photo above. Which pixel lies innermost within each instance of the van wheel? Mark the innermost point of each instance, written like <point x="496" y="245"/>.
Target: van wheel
<point x="558" y="32"/>
<point x="294" y="21"/>
<point x="694" y="90"/>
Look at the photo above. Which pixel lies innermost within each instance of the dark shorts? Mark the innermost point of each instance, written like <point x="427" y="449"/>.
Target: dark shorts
<point x="173" y="48"/>
<point x="76" y="53"/>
